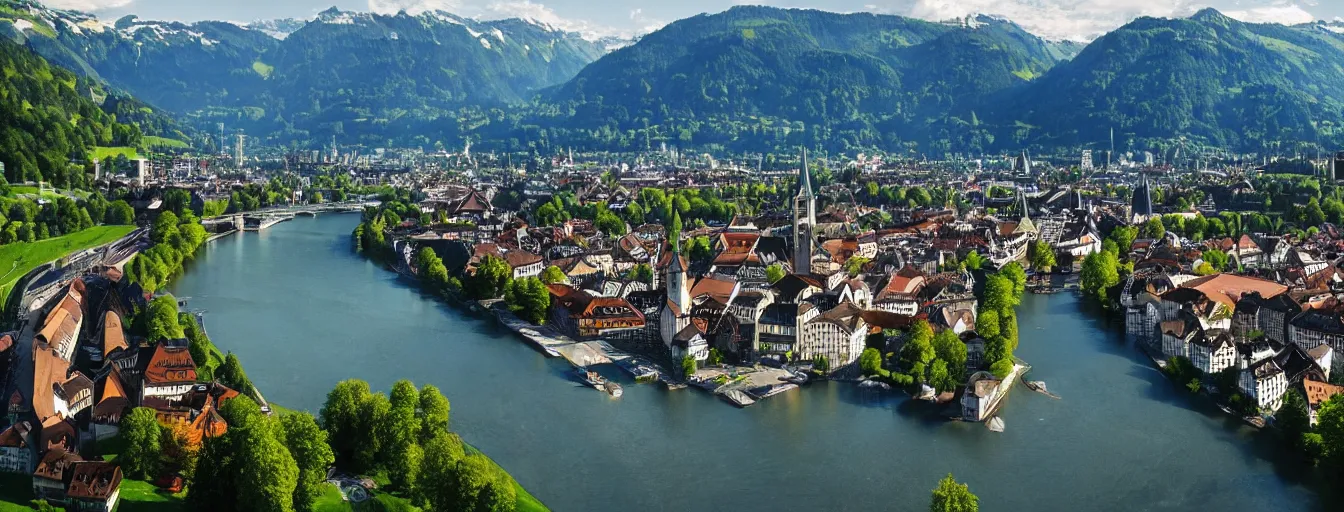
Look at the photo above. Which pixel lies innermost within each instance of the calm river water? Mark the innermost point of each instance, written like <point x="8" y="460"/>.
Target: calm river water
<point x="303" y="312"/>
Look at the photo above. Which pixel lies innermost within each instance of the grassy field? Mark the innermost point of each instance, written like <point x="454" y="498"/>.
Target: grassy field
<point x="102" y="152"/>
<point x="142" y="496"/>
<point x="17" y="259"/>
<point x="151" y="141"/>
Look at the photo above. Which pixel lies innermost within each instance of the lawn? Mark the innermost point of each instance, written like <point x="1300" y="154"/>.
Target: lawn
<point x="142" y="496"/>
<point x="151" y="141"/>
<point x="102" y="152"/>
<point x="17" y="259"/>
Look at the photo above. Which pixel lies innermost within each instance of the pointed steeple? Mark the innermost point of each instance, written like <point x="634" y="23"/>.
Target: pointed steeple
<point x="805" y="178"/>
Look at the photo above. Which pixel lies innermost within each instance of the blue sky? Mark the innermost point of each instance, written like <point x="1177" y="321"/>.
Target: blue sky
<point x="1072" y="19"/>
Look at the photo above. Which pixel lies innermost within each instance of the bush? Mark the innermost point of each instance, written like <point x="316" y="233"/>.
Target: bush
<point x="1001" y="368"/>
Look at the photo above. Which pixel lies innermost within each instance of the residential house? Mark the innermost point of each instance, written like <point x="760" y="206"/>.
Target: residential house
<point x="1317" y="393"/>
<point x="583" y="315"/>
<point x="94" y="487"/>
<point x="112" y="404"/>
<point x="1317" y="326"/>
<point x="53" y="474"/>
<point x="839" y="335"/>
<point x="982" y="393"/>
<point x="1264" y="382"/>
<point x="16" y="453"/>
<point x="170" y="373"/>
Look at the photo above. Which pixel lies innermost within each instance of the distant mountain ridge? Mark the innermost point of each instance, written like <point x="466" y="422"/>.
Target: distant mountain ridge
<point x="750" y="78"/>
<point x="342" y="73"/>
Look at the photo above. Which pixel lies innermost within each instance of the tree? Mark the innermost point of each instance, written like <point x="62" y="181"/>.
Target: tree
<point x="1015" y="273"/>
<point x="553" y="275"/>
<point x="940" y="377"/>
<point x="951" y="496"/>
<point x="1042" y="256"/>
<point x="855" y="265"/>
<point x="434" y="411"/>
<point x="307" y="444"/>
<point x="140" y="430"/>
<point x="987" y="323"/>
<point x="918" y="351"/>
<point x="1001" y="368"/>
<point x="119" y="213"/>
<point x="1153" y="228"/>
<point x="674" y="232"/>
<point x="774" y="273"/>
<point x="949" y="347"/>
<point x="340" y="418"/>
<point x="164" y="228"/>
<point x="232" y="375"/>
<point x="162" y="322"/>
<point x="1292" y="419"/>
<point x="699" y="249"/>
<point x="974" y="260"/>
<point x="870" y="361"/>
<point x="1100" y="273"/>
<point x="999" y="294"/>
<point x="687" y="366"/>
<point x="715" y="357"/>
<point x="492" y="276"/>
<point x="1330" y="426"/>
<point x="642" y="273"/>
<point x="1205" y="269"/>
<point x="441" y="455"/>
<point x="431" y="269"/>
<point x="529" y="298"/>
<point x="271" y="476"/>
<point x="1217" y="259"/>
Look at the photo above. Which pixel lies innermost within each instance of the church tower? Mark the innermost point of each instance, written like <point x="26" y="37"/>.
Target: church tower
<point x="677" y="291"/>
<point x="804" y="218"/>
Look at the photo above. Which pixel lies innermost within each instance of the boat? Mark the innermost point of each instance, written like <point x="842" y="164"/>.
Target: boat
<point x="591" y="378"/>
<point x="614" y="389"/>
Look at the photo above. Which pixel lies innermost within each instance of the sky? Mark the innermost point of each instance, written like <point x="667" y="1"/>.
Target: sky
<point x="1056" y="19"/>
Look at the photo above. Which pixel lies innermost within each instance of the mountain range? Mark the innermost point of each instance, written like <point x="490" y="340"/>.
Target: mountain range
<point x="747" y="79"/>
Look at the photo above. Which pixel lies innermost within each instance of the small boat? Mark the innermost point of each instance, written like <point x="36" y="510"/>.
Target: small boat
<point x="591" y="378"/>
<point x="614" y="389"/>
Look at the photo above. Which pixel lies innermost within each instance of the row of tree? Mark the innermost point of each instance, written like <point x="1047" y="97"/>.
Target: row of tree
<point x="175" y="243"/>
<point x="406" y="435"/>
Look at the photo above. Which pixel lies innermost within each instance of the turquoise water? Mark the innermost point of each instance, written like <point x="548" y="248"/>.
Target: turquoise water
<point x="303" y="312"/>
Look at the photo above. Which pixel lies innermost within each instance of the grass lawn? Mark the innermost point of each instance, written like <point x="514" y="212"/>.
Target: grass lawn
<point x="142" y="496"/>
<point x="102" y="152"/>
<point x="17" y="259"/>
<point x="151" y="141"/>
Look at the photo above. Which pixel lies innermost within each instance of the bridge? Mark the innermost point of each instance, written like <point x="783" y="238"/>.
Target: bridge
<point x="258" y="220"/>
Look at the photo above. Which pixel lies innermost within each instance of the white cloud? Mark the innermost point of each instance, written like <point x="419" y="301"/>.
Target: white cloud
<point x="414" y="6"/>
<point x="87" y="5"/>
<point x="1084" y="20"/>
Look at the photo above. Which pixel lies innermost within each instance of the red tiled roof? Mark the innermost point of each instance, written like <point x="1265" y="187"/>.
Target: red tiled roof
<point x="1227" y="289"/>
<point x="113" y="337"/>
<point x="170" y="364"/>
<point x="95" y="481"/>
<point x="1319" y="392"/>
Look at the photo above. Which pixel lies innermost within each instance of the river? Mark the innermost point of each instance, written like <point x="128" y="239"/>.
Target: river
<point x="303" y="312"/>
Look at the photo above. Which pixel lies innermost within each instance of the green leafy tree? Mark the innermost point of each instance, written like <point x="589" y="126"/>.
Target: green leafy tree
<point x="715" y="357"/>
<point x="1001" y="368"/>
<point x="307" y="445"/>
<point x="1153" y="228"/>
<point x="1330" y="426"/>
<point x="1216" y="259"/>
<point x="642" y="273"/>
<point x="1291" y="418"/>
<point x="1100" y="273"/>
<point x="492" y="276"/>
<point x="987" y="323"/>
<point x="1042" y="256"/>
<point x="434" y="411"/>
<point x="974" y="261"/>
<point x="1205" y="269"/>
<point x="870" y="361"/>
<point x="401" y="428"/>
<point x="119" y="213"/>
<point x="433" y="484"/>
<point x="553" y="275"/>
<point x="232" y="375"/>
<point x="141" y="432"/>
<point x="949" y="347"/>
<point x="271" y="476"/>
<point x="162" y="322"/>
<point x="687" y="366"/>
<point x="951" y="496"/>
<point x="940" y="377"/>
<point x="340" y="418"/>
<point x="999" y="294"/>
<point x="529" y="298"/>
<point x="1015" y="273"/>
<point x="774" y="273"/>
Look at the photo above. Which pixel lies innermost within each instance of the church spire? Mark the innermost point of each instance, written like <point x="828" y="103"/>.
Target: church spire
<point x="805" y="178"/>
